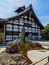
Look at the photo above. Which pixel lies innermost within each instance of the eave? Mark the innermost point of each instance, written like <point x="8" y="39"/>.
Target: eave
<point x="27" y="10"/>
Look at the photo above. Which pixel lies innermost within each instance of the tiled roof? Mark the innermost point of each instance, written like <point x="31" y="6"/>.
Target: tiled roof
<point x="2" y="20"/>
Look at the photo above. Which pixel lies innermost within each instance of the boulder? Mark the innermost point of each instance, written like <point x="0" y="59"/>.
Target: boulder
<point x="13" y="47"/>
<point x="12" y="59"/>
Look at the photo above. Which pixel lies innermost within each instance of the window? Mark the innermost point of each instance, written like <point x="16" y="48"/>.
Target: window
<point x="26" y="29"/>
<point x="25" y="16"/>
<point x="33" y="25"/>
<point x="36" y="37"/>
<point x="36" y="25"/>
<point x="29" y="22"/>
<point x="15" y="37"/>
<point x="25" y="21"/>
<point x="8" y="37"/>
<point x="21" y="22"/>
<point x="33" y="37"/>
<point x="10" y="22"/>
<point x="36" y="30"/>
<point x="33" y="29"/>
<point x="29" y="29"/>
<point x="20" y="28"/>
<point x="9" y="27"/>
<point x="19" y="34"/>
<point x="15" y="28"/>
<point x="15" y="21"/>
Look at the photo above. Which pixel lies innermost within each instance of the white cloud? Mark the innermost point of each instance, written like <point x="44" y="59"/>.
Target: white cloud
<point x="26" y="2"/>
<point x="8" y="6"/>
<point x="44" y="17"/>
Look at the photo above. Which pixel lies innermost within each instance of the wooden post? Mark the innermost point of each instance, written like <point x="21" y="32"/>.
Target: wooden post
<point x="12" y="29"/>
<point x="5" y="32"/>
<point x="18" y="28"/>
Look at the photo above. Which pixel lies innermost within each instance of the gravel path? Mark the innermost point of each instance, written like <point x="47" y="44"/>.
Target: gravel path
<point x="43" y="43"/>
<point x="2" y="48"/>
<point x="37" y="55"/>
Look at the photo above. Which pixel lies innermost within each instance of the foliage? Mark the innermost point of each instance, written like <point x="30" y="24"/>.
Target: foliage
<point x="46" y="32"/>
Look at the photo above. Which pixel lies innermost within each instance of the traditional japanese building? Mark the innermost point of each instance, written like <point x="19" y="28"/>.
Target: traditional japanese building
<point x="10" y="28"/>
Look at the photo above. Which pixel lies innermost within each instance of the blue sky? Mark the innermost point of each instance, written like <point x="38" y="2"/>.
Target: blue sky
<point x="41" y="8"/>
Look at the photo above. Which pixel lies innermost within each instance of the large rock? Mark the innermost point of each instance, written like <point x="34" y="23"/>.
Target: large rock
<point x="12" y="59"/>
<point x="13" y="47"/>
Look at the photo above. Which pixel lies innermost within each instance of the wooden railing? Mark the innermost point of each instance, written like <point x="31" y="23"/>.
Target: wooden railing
<point x="41" y="60"/>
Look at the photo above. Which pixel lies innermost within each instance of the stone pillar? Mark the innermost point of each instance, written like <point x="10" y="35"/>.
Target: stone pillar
<point x="22" y="36"/>
<point x="30" y="36"/>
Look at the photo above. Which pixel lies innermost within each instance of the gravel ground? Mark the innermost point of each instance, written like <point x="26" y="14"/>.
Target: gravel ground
<point x="43" y="43"/>
<point x="37" y="55"/>
<point x="2" y="48"/>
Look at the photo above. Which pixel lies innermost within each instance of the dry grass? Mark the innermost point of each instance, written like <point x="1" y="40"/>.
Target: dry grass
<point x="26" y="47"/>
